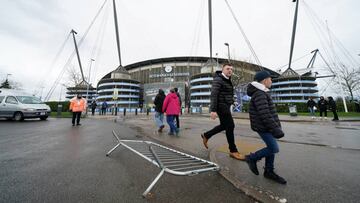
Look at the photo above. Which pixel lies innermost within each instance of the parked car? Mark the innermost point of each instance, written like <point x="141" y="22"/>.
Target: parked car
<point x="15" y="105"/>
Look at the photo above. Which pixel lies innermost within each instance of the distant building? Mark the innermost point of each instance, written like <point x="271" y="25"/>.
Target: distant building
<point x="292" y="87"/>
<point x="82" y="88"/>
<point x="117" y="88"/>
<point x="191" y="75"/>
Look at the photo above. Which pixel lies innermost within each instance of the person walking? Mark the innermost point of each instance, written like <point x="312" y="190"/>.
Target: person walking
<point x="172" y="108"/>
<point x="177" y="117"/>
<point x="93" y="107"/>
<point x="311" y="106"/>
<point x="159" y="114"/>
<point x="265" y="121"/>
<point x="104" y="106"/>
<point x="222" y="97"/>
<point x="332" y="107"/>
<point x="323" y="105"/>
<point x="77" y="105"/>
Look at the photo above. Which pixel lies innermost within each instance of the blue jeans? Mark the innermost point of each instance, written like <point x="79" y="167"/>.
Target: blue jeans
<point x="268" y="152"/>
<point x="170" y="121"/>
<point x="159" y="119"/>
<point x="312" y="111"/>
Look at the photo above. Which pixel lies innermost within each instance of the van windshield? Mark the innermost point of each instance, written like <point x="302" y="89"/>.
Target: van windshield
<point x="29" y="100"/>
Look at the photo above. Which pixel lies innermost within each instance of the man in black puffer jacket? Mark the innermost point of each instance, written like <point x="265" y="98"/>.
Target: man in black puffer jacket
<point x="222" y="97"/>
<point x="265" y="121"/>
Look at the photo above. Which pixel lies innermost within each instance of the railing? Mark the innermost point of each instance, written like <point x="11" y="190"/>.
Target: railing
<point x="167" y="159"/>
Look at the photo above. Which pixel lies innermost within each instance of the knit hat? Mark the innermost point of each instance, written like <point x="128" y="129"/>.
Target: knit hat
<point x="261" y="75"/>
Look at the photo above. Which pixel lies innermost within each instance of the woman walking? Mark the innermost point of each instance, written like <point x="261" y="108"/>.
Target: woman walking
<point x="171" y="107"/>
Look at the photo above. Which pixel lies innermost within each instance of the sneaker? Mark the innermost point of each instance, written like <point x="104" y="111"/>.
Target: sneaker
<point x="275" y="177"/>
<point x="252" y="165"/>
<point x="170" y="133"/>
<point x="73" y="124"/>
<point x="78" y="124"/>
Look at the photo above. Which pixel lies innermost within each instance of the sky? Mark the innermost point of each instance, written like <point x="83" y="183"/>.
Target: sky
<point x="32" y="33"/>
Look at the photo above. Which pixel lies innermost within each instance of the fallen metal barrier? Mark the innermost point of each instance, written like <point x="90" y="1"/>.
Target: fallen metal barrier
<point x="167" y="159"/>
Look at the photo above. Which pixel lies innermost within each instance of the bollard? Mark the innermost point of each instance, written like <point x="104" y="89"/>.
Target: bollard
<point x="147" y="111"/>
<point x="124" y="111"/>
<point x="59" y="110"/>
<point x="116" y="109"/>
<point x="136" y="112"/>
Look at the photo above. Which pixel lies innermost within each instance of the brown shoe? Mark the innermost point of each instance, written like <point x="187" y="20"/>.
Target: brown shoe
<point x="205" y="140"/>
<point x="237" y="155"/>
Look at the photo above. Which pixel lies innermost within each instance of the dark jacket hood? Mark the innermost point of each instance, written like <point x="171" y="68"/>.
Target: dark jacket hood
<point x="251" y="89"/>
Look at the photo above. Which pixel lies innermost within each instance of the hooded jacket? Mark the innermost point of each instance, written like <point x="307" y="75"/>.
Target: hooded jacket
<point x="322" y="104"/>
<point x="171" y="105"/>
<point x="222" y="92"/>
<point x="159" y="101"/>
<point x="332" y="104"/>
<point x="263" y="116"/>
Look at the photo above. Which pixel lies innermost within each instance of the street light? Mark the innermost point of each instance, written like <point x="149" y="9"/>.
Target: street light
<point x="228" y="47"/>
<point x="7" y="75"/>
<point x="88" y="84"/>
<point x="217" y="61"/>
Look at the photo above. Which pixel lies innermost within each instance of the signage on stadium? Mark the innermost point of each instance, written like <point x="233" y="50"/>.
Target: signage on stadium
<point x="161" y="75"/>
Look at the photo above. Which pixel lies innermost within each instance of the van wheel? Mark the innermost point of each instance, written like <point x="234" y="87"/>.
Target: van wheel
<point x="18" y="116"/>
<point x="43" y="118"/>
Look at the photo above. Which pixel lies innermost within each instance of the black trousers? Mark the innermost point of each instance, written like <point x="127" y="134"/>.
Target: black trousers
<point x="325" y="112"/>
<point x="76" y="115"/>
<point x="103" y="111"/>
<point x="227" y="124"/>
<point x="93" y="111"/>
<point x="177" y="121"/>
<point x="335" y="115"/>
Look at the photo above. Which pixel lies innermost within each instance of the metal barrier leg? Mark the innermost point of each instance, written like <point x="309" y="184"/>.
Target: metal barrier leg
<point x="118" y="144"/>
<point x="111" y="150"/>
<point x="153" y="183"/>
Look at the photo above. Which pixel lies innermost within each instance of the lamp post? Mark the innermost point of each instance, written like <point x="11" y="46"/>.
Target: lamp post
<point x="7" y="75"/>
<point x="217" y="61"/>
<point x="228" y="47"/>
<point x="88" y="84"/>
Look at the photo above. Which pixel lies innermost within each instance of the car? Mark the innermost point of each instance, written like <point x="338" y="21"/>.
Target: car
<point x="16" y="105"/>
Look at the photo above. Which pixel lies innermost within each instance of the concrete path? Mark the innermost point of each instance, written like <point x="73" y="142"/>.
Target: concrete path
<point x="320" y="160"/>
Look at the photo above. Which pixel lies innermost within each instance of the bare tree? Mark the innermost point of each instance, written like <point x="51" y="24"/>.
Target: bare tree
<point x="349" y="78"/>
<point x="10" y="84"/>
<point x="74" y="77"/>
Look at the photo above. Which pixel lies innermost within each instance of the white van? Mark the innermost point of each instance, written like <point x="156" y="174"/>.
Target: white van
<point x="16" y="105"/>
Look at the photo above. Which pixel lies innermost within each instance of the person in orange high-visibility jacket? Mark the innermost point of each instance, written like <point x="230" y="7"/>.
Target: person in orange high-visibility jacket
<point x="77" y="105"/>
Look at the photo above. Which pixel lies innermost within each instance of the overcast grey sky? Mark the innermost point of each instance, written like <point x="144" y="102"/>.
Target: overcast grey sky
<point x="32" y="32"/>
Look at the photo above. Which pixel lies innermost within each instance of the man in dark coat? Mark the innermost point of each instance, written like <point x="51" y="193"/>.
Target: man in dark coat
<point x="265" y="121"/>
<point x="323" y="105"/>
<point x="222" y="97"/>
<point x="311" y="104"/>
<point x="159" y="114"/>
<point x="93" y="107"/>
<point x="332" y="106"/>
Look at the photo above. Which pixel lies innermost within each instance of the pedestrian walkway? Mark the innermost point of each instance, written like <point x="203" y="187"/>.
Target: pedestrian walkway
<point x="315" y="173"/>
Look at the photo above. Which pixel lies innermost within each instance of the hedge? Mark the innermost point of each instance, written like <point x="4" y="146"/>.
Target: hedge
<point x="54" y="104"/>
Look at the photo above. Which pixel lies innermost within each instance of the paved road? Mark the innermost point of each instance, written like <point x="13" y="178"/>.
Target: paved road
<point x="51" y="161"/>
<point x="321" y="160"/>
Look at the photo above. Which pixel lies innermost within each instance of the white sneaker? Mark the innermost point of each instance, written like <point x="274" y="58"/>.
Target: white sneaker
<point x="325" y="118"/>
